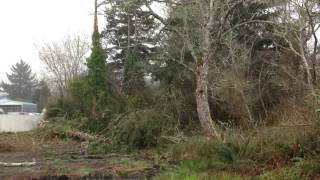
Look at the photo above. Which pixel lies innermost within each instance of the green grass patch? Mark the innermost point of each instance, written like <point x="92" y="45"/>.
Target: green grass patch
<point x="58" y="168"/>
<point x="198" y="170"/>
<point x="85" y="171"/>
<point x="123" y="174"/>
<point x="286" y="173"/>
<point x="128" y="161"/>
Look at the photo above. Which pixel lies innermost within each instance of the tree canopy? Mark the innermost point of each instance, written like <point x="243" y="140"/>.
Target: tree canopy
<point x="21" y="83"/>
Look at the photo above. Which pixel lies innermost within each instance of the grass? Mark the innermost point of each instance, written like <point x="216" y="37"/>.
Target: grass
<point x="123" y="173"/>
<point x="99" y="148"/>
<point x="128" y="161"/>
<point x="57" y="168"/>
<point x="285" y="173"/>
<point x="85" y="171"/>
<point x="19" y="142"/>
<point x="266" y="153"/>
<point x="198" y="170"/>
<point x="207" y="170"/>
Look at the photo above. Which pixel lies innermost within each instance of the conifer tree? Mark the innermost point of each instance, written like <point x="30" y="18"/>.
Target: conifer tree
<point x="130" y="32"/>
<point x="97" y="61"/>
<point x="97" y="66"/>
<point x="21" y="81"/>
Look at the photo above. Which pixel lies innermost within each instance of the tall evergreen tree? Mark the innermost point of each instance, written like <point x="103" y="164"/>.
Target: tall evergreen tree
<point x="98" y="91"/>
<point x="130" y="32"/>
<point x="21" y="81"/>
<point x="97" y="61"/>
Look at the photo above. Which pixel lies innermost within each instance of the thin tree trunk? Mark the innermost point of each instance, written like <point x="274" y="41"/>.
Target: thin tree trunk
<point x="202" y="59"/>
<point x="209" y="127"/>
<point x="307" y="68"/>
<point x="315" y="46"/>
<point x="203" y="109"/>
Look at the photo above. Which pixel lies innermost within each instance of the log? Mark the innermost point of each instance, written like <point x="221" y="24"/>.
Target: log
<point x="21" y="164"/>
<point x="86" y="137"/>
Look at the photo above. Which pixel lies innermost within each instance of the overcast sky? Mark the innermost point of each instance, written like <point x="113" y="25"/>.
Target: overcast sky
<point x="26" y="23"/>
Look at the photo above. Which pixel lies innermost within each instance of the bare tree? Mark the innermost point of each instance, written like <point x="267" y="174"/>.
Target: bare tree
<point x="312" y="12"/>
<point x="64" y="60"/>
<point x="298" y="27"/>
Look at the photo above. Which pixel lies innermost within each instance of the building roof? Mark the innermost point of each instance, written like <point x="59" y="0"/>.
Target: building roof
<point x="8" y="102"/>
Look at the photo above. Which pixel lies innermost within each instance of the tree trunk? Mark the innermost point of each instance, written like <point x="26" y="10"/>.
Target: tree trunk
<point x="208" y="127"/>
<point x="208" y="48"/>
<point x="306" y="66"/>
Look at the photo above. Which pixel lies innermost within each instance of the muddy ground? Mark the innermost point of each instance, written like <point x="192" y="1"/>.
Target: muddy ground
<point x="67" y="159"/>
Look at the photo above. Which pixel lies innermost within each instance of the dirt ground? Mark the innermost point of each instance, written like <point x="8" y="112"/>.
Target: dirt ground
<point x="65" y="159"/>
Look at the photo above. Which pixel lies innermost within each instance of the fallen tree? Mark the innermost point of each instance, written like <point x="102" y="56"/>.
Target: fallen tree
<point x="86" y="137"/>
<point x="18" y="164"/>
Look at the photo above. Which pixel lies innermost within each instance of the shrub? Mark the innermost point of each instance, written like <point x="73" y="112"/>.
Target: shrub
<point x="140" y="129"/>
<point x="231" y="152"/>
<point x="63" y="107"/>
<point x="56" y="128"/>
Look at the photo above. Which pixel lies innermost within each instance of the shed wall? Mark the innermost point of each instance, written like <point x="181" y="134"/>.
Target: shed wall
<point x="10" y="108"/>
<point x="29" y="108"/>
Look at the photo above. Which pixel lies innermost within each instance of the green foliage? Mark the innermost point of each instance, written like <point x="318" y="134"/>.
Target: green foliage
<point x="78" y="104"/>
<point x="79" y="91"/>
<point x="134" y="83"/>
<point x="57" y="128"/>
<point x="123" y="174"/>
<point x="127" y="26"/>
<point x="63" y="107"/>
<point x="198" y="170"/>
<point x="310" y="167"/>
<point x="22" y="82"/>
<point x="58" y="168"/>
<point x="175" y="93"/>
<point x="85" y="171"/>
<point x="97" y="67"/>
<point x="100" y="148"/>
<point x="136" y="102"/>
<point x="97" y="85"/>
<point x="230" y="152"/>
<point x="140" y="129"/>
<point x="41" y="95"/>
<point x="287" y="173"/>
<point x="202" y="164"/>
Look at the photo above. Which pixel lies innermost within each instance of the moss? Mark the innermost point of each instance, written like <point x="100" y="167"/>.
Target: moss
<point x="200" y="61"/>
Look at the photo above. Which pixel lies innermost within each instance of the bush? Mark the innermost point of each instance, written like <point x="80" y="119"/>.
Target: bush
<point x="140" y="129"/>
<point x="56" y="128"/>
<point x="63" y="107"/>
<point x="231" y="152"/>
